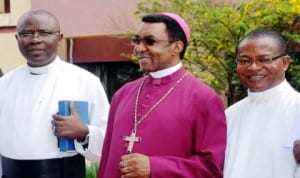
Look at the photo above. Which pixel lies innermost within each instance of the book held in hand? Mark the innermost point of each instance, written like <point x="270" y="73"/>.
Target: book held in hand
<point x="64" y="144"/>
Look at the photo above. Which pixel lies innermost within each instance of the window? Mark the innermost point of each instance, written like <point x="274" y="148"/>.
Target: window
<point x="4" y="6"/>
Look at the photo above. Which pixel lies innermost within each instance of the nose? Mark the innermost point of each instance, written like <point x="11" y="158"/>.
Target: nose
<point x="36" y="34"/>
<point x="254" y="65"/>
<point x="141" y="47"/>
<point x="36" y="37"/>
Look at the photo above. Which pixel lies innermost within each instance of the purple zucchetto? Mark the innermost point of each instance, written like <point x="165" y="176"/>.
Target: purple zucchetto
<point x="184" y="26"/>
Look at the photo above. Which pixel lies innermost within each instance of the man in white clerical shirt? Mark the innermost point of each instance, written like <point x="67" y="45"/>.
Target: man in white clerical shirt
<point x="260" y="124"/>
<point x="29" y="97"/>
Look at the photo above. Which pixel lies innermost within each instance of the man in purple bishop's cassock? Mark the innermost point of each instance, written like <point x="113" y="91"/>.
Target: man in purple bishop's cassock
<point x="168" y="123"/>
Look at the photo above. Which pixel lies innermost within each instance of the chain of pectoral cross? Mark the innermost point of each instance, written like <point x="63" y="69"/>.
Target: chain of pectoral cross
<point x="133" y="138"/>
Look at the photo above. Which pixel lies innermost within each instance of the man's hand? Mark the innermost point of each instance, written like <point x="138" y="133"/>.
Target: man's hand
<point x="135" y="165"/>
<point x="70" y="126"/>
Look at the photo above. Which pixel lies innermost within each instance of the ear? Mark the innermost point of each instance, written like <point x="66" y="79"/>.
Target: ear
<point x="178" y="47"/>
<point x="61" y="36"/>
<point x="286" y="62"/>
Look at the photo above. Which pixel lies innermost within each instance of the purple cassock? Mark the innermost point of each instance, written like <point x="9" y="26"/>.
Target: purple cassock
<point x="184" y="136"/>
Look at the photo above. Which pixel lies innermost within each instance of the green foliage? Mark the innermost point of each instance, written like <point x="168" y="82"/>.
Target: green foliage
<point x="91" y="170"/>
<point x="216" y="31"/>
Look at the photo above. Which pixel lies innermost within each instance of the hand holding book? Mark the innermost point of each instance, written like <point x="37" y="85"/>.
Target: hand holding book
<point x="70" y="123"/>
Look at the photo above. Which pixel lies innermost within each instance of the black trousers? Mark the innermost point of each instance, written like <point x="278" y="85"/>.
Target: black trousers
<point x="68" y="167"/>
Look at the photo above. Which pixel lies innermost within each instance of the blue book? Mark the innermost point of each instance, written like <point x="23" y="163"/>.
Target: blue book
<point x="81" y="107"/>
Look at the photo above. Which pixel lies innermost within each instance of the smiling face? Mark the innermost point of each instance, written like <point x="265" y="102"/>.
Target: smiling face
<point x="260" y="77"/>
<point x="38" y="38"/>
<point x="162" y="54"/>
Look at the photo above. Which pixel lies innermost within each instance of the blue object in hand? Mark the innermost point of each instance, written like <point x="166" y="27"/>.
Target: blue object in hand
<point x="64" y="144"/>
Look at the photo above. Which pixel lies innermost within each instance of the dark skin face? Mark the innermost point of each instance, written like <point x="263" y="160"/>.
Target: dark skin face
<point x="258" y="77"/>
<point x="38" y="38"/>
<point x="162" y="54"/>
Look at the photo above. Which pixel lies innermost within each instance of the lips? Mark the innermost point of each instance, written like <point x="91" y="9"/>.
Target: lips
<point x="36" y="51"/>
<point x="143" y="57"/>
<point x="256" y="77"/>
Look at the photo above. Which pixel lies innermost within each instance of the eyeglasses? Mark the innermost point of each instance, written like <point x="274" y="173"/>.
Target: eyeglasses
<point x="149" y="41"/>
<point x="260" y="61"/>
<point x="40" y="33"/>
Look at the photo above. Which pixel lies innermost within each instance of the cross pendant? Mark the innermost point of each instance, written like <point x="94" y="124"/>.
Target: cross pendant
<point x="131" y="139"/>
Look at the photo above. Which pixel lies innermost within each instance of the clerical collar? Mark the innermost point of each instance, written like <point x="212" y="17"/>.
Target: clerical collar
<point x="43" y="69"/>
<point x="269" y="93"/>
<point x="166" y="72"/>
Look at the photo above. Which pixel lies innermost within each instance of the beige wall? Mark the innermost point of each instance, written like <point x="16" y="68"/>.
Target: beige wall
<point x="17" y="8"/>
<point x="10" y="56"/>
<point x="62" y="49"/>
<point x="1" y="6"/>
<point x="91" y="17"/>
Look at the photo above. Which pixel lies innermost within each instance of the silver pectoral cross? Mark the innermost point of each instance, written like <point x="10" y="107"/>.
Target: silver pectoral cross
<point x="131" y="140"/>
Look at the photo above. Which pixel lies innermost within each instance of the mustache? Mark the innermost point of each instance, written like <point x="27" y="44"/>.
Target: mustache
<point x="35" y="49"/>
<point x="143" y="55"/>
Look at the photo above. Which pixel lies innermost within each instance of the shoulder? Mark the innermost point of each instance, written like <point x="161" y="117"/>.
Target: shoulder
<point x="128" y="89"/>
<point x="8" y="78"/>
<point x="198" y="87"/>
<point x="13" y="73"/>
<point x="236" y="107"/>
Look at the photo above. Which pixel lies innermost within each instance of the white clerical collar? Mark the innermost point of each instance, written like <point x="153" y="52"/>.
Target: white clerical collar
<point x="269" y="93"/>
<point x="166" y="72"/>
<point x="43" y="69"/>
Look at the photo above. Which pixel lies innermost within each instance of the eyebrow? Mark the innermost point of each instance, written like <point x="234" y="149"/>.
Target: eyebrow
<point x="28" y="28"/>
<point x="147" y="36"/>
<point x="260" y="55"/>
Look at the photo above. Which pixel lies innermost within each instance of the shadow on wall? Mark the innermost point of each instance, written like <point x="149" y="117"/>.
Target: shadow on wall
<point x="1" y="73"/>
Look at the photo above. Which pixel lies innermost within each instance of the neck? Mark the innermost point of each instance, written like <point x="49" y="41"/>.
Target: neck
<point x="40" y="70"/>
<point x="166" y="72"/>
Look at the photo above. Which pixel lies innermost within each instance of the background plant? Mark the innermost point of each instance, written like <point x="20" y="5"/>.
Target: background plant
<point x="217" y="28"/>
<point x="91" y="170"/>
